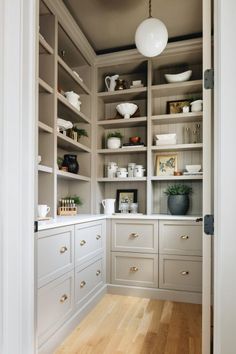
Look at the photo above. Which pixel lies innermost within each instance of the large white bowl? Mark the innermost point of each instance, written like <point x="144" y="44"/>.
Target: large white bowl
<point x="185" y="76"/>
<point x="193" y="168"/>
<point x="126" y="109"/>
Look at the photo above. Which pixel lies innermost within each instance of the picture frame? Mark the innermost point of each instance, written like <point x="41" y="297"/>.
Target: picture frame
<point x="166" y="164"/>
<point x="130" y="195"/>
<point x="174" y="107"/>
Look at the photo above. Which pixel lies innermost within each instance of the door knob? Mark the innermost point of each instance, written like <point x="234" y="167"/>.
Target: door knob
<point x="82" y="243"/>
<point x="185" y="272"/>
<point x="134" y="269"/>
<point x="63" y="249"/>
<point x="63" y="298"/>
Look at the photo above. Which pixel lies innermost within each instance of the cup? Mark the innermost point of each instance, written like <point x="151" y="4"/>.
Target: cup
<point x="43" y="210"/>
<point x="124" y="208"/>
<point x="134" y="208"/>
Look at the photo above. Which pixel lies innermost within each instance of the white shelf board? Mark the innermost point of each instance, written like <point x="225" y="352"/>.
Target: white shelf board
<point x="72" y="176"/>
<point x="128" y="94"/>
<point x="44" y="87"/>
<point x="65" y="142"/>
<point x="44" y="44"/>
<point x="44" y="127"/>
<point x="177" y="118"/>
<point x="46" y="169"/>
<point x="123" y="123"/>
<point x="178" y="147"/>
<point x="128" y="179"/>
<point x="122" y="151"/>
<point x="80" y="117"/>
<point x="180" y="88"/>
<point x="177" y="178"/>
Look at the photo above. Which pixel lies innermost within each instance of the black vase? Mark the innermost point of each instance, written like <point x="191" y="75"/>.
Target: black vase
<point x="178" y="204"/>
<point x="70" y="161"/>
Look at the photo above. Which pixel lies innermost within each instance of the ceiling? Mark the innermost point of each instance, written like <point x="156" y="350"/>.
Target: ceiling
<point x="111" y="24"/>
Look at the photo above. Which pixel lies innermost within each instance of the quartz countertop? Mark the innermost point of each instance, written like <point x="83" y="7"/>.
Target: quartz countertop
<point x="60" y="221"/>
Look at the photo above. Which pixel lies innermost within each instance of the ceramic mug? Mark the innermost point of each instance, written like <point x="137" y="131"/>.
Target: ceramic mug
<point x="43" y="210"/>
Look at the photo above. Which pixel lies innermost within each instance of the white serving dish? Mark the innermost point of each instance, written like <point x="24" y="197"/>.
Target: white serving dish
<point x="126" y="109"/>
<point x="185" y="76"/>
<point x="193" y="168"/>
<point x="166" y="139"/>
<point x="63" y="124"/>
<point x="196" y="106"/>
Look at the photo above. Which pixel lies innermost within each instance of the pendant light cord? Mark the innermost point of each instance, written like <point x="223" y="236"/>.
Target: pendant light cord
<point x="150" y="8"/>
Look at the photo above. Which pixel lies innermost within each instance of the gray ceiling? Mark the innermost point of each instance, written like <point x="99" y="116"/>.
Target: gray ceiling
<point x="110" y="24"/>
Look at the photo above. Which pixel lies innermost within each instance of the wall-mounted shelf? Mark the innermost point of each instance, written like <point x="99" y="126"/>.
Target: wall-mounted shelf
<point x="181" y="88"/>
<point x="44" y="87"/>
<point x="177" y="178"/>
<point x="178" y="147"/>
<point x="72" y="176"/>
<point x="77" y="115"/>
<point x="45" y="128"/>
<point x="177" y="118"/>
<point x="123" y="123"/>
<point x="128" y="179"/>
<point x="46" y="169"/>
<point x="67" y="143"/>
<point x="128" y="95"/>
<point x="122" y="151"/>
<point x="45" y="47"/>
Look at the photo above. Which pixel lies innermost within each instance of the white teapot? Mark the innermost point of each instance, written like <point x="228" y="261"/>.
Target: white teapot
<point x="73" y="98"/>
<point x="110" y="82"/>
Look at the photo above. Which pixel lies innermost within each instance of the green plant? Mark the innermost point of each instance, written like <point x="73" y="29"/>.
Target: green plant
<point x="114" y="135"/>
<point x="59" y="161"/>
<point x="77" y="200"/>
<point x="178" y="189"/>
<point x="80" y="132"/>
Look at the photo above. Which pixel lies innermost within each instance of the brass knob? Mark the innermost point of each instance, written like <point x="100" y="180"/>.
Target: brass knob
<point x="98" y="237"/>
<point x="134" y="234"/>
<point x="82" y="284"/>
<point x="98" y="272"/>
<point x="82" y="243"/>
<point x="63" y="298"/>
<point x="184" y="237"/>
<point x="134" y="269"/>
<point x="185" y="272"/>
<point x="63" y="249"/>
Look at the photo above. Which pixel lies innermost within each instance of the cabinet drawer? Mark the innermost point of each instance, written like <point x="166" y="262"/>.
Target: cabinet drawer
<point x="135" y="236"/>
<point x="87" y="278"/>
<point x="55" y="253"/>
<point x="88" y="241"/>
<point x="180" y="273"/>
<point x="55" y="305"/>
<point x="134" y="269"/>
<point x="180" y="238"/>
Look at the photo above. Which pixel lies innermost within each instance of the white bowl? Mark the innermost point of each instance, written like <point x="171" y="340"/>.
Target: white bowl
<point x="185" y="76"/>
<point x="126" y="109"/>
<point x="166" y="139"/>
<point x="193" y="168"/>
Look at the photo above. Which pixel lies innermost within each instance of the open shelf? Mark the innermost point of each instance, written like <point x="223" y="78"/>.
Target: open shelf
<point x="122" y="151"/>
<point x="44" y="87"/>
<point x="177" y="178"/>
<point x="177" y="118"/>
<point x="71" y="176"/>
<point x="128" y="179"/>
<point x="67" y="143"/>
<point x="178" y="147"/>
<point x="128" y="94"/>
<point x="44" y="48"/>
<point x="46" y="169"/>
<point x="68" y="76"/>
<point x="45" y="128"/>
<point x="180" y="88"/>
<point x="123" y="123"/>
<point x="77" y="115"/>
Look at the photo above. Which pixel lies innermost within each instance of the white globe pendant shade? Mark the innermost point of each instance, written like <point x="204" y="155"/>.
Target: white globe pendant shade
<point x="151" y="37"/>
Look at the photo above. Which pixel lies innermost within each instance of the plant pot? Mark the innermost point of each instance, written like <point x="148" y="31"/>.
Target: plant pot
<point x="70" y="161"/>
<point x="113" y="143"/>
<point x="178" y="204"/>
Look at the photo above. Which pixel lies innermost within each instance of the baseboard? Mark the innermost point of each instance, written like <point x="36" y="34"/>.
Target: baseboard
<point x="60" y="335"/>
<point x="159" y="294"/>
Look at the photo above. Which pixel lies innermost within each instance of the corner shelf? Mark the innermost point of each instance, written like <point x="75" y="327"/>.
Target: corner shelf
<point x="177" y="118"/>
<point x="44" y="87"/>
<point x="67" y="143"/>
<point x="46" y="169"/>
<point x="47" y="49"/>
<point x="178" y="147"/>
<point x="45" y="128"/>
<point x="177" y="178"/>
<point x="127" y="94"/>
<point x="180" y="88"/>
<point x="72" y="176"/>
<point x="77" y="115"/>
<point x="128" y="179"/>
<point x="123" y="123"/>
<point x="122" y="151"/>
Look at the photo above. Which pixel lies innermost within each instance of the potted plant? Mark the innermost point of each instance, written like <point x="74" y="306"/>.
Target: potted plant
<point x="114" y="140"/>
<point x="77" y="200"/>
<point x="80" y="132"/>
<point x="178" y="198"/>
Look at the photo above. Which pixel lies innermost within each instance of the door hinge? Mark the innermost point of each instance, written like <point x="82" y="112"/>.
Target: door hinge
<point x="209" y="224"/>
<point x="209" y="79"/>
<point x="36" y="228"/>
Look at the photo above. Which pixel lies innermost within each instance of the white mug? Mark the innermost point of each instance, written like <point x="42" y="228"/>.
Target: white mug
<point x="43" y="210"/>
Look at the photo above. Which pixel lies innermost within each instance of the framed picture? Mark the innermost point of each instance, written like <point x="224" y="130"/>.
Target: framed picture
<point x="174" y="107"/>
<point x="126" y="195"/>
<point x="166" y="165"/>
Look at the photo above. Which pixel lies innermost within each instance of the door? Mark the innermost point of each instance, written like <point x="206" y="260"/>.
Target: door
<point x="208" y="179"/>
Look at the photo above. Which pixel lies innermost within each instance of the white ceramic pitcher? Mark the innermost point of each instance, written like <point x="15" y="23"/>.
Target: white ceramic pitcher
<point x="110" y="82"/>
<point x="109" y="206"/>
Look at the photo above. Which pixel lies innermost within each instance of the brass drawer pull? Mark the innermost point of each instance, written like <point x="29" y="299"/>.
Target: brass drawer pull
<point x="82" y="284"/>
<point x="134" y="269"/>
<point x="98" y="237"/>
<point x="184" y="237"/>
<point x="134" y="234"/>
<point x="63" y="298"/>
<point x="98" y="272"/>
<point x="185" y="272"/>
<point x="63" y="249"/>
<point x="82" y="243"/>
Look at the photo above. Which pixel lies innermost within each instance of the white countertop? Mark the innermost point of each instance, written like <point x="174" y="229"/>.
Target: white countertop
<point x="80" y="218"/>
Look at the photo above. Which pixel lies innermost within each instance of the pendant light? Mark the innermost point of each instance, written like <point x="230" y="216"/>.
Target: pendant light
<point x="151" y="36"/>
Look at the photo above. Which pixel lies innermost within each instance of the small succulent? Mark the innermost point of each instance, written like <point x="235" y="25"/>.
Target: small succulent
<point x="178" y="189"/>
<point x="77" y="200"/>
<point x="114" y="135"/>
<point x="80" y="132"/>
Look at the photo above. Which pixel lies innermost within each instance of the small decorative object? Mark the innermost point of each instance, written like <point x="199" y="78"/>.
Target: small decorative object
<point x="64" y="168"/>
<point x="120" y="85"/>
<point x="109" y="206"/>
<point x="151" y="36"/>
<point x="114" y="140"/>
<point x="178" y="173"/>
<point x="124" y="207"/>
<point x="63" y="125"/>
<point x="185" y="76"/>
<point x="112" y="169"/>
<point x="139" y="171"/>
<point x="43" y="210"/>
<point x="134" y="208"/>
<point x="193" y="168"/>
<point x="79" y="132"/>
<point x="198" y="129"/>
<point x="125" y="196"/>
<point x="174" y="107"/>
<point x="136" y="84"/>
<point x="73" y="99"/>
<point x="166" y="139"/>
<point x="126" y="109"/>
<point x="59" y="162"/>
<point x="187" y="135"/>
<point x="194" y="136"/>
<point x="196" y="106"/>
<point x="186" y="109"/>
<point x="166" y="165"/>
<point x="70" y="161"/>
<point x="131" y="167"/>
<point x="135" y="139"/>
<point x="110" y="82"/>
<point x="122" y="172"/>
<point x="178" y="198"/>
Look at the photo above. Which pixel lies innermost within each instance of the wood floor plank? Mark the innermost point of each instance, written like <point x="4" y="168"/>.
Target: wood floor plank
<point x="132" y="325"/>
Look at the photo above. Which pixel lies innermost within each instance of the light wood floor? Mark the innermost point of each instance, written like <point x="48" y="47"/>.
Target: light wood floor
<point x="132" y="325"/>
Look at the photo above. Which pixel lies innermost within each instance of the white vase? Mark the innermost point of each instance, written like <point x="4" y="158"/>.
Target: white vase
<point x="113" y="143"/>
